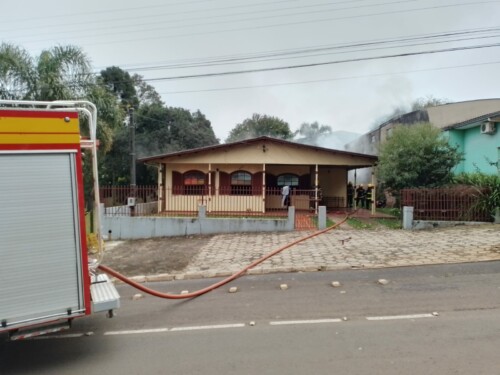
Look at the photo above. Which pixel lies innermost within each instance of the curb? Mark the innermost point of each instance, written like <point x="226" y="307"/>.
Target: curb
<point x="262" y="271"/>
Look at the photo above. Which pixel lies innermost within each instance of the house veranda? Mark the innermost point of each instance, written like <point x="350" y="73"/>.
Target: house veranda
<point x="247" y="176"/>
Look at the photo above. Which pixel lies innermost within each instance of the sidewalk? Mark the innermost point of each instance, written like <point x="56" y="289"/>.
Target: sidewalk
<point x="343" y="248"/>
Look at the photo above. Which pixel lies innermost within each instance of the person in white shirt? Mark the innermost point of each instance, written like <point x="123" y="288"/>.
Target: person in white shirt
<point x="285" y="196"/>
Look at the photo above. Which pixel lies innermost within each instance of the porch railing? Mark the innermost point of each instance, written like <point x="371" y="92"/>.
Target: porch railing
<point x="225" y="201"/>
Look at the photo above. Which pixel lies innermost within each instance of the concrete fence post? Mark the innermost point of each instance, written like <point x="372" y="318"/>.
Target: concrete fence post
<point x="321" y="217"/>
<point x="291" y="217"/>
<point x="202" y="211"/>
<point x="407" y="217"/>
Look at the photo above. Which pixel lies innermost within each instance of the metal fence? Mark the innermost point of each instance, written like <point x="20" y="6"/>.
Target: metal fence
<point x="118" y="195"/>
<point x="451" y="204"/>
<point x="241" y="201"/>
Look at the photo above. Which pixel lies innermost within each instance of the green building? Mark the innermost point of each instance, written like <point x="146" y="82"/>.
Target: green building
<point x="479" y="140"/>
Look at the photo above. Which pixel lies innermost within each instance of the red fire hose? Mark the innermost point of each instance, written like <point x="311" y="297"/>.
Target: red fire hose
<point x="220" y="283"/>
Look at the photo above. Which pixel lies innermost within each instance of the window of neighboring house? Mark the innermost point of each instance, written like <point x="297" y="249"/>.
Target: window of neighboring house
<point x="389" y="133"/>
<point x="288" y="179"/>
<point x="194" y="183"/>
<point x="241" y="183"/>
<point x="374" y="139"/>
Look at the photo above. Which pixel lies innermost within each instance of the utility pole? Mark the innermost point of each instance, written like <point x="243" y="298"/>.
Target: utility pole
<point x="132" y="162"/>
<point x="132" y="148"/>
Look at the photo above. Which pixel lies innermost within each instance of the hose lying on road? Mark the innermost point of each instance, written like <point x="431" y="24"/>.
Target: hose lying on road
<point x="220" y="283"/>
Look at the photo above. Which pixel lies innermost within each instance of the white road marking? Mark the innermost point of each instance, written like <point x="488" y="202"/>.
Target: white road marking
<point x="137" y="331"/>
<point x="194" y="328"/>
<point x="310" y="321"/>
<point x="237" y="325"/>
<point x="393" y="317"/>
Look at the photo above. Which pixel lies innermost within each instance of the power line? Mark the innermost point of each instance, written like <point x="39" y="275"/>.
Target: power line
<point x="135" y="17"/>
<point x="327" y="79"/>
<point x="306" y="52"/>
<point x="255" y="27"/>
<point x="248" y="57"/>
<point x="309" y="81"/>
<point x="105" y="11"/>
<point x="358" y="59"/>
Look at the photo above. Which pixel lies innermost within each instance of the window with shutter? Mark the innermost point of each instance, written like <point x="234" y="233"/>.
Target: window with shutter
<point x="241" y="183"/>
<point x="194" y="183"/>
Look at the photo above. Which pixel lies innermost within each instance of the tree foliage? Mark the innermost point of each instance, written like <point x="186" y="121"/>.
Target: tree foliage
<point x="158" y="130"/>
<point x="146" y="94"/>
<point x="428" y="101"/>
<point x="162" y="129"/>
<point x="310" y="133"/>
<point x="58" y="73"/>
<point x="260" y="125"/>
<point x="487" y="189"/>
<point x="416" y="156"/>
<point x="64" y="73"/>
<point x="121" y="84"/>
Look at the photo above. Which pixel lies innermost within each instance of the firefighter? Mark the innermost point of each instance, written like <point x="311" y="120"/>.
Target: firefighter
<point x="360" y="196"/>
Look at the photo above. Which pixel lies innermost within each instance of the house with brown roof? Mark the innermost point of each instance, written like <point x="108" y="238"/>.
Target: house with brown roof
<point x="247" y="176"/>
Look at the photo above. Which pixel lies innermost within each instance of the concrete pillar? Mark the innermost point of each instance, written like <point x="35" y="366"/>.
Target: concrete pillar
<point x="407" y="217"/>
<point x="321" y="217"/>
<point x="202" y="211"/>
<point x="291" y="217"/>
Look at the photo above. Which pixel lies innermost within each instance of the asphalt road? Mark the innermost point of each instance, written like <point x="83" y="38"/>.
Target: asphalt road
<point x="425" y="320"/>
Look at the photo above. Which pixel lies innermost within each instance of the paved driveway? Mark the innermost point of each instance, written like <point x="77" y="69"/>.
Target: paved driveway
<point x="343" y="248"/>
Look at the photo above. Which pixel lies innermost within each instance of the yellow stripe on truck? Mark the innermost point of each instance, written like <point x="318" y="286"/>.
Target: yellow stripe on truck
<point x="35" y="130"/>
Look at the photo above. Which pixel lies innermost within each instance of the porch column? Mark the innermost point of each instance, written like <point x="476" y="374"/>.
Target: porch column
<point x="209" y="185"/>
<point x="316" y="184"/>
<point x="217" y="182"/>
<point x="162" y="194"/>
<point x="264" y="187"/>
<point x="354" y="192"/>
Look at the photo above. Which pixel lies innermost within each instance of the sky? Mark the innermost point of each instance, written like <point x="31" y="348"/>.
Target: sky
<point x="342" y="63"/>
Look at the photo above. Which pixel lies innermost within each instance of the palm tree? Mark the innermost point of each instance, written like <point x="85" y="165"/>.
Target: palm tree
<point x="59" y="73"/>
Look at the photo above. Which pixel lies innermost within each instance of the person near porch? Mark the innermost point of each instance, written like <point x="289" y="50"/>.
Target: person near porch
<point x="360" y="196"/>
<point x="285" y="196"/>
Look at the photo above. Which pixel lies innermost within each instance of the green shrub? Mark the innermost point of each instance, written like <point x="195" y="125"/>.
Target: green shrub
<point x="486" y="189"/>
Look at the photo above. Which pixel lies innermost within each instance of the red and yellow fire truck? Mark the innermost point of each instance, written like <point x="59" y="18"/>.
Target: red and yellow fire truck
<point x="47" y="273"/>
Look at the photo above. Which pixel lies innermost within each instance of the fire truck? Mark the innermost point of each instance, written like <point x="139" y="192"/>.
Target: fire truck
<point x="48" y="273"/>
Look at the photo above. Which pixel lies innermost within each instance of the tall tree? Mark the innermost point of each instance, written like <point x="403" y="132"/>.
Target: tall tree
<point x="146" y="93"/>
<point x="121" y="84"/>
<point x="158" y="130"/>
<point x="260" y="125"/>
<point x="58" y="73"/>
<point x="312" y="132"/>
<point x="416" y="156"/>
<point x="166" y="129"/>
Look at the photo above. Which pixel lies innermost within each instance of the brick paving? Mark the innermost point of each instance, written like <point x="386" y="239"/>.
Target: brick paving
<point x="341" y="248"/>
<point x="346" y="248"/>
